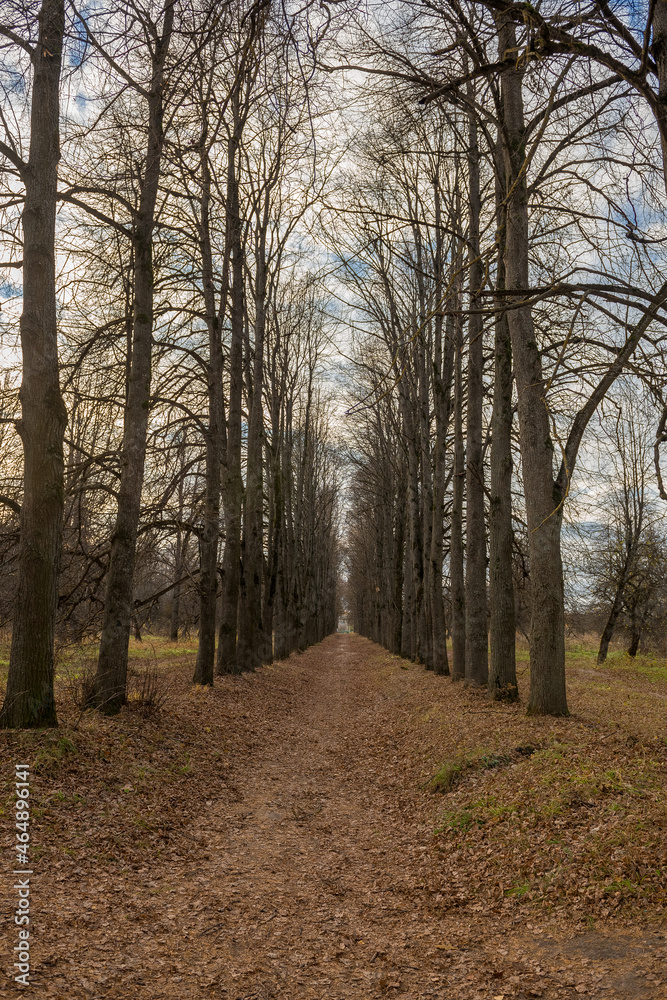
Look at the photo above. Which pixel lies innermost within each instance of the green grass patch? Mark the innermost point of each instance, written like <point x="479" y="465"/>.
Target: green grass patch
<point x="625" y="886"/>
<point x="457" y="820"/>
<point x="655" y="670"/>
<point x="580" y="651"/>
<point x="446" y="777"/>
<point x="649" y="665"/>
<point x="452" y="772"/>
<point x="49" y="758"/>
<point x="519" y="889"/>
<point x="486" y="810"/>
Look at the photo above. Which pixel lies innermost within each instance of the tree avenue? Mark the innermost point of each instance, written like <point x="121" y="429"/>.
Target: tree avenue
<point x="330" y="312"/>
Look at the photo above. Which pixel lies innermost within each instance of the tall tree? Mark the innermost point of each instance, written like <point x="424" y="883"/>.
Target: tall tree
<point x="456" y="555"/>
<point x="443" y="359"/>
<point x="476" y="664"/>
<point x="29" y="699"/>
<point x="543" y="500"/>
<point x="502" y="666"/>
<point x="111" y="676"/>
<point x="227" y="662"/>
<point x="215" y="438"/>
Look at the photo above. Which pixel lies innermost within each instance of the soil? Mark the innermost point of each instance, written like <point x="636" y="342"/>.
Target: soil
<point x="293" y="854"/>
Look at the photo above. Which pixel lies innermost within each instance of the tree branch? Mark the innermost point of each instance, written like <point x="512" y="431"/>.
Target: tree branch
<point x="586" y="412"/>
<point x="12" y="504"/>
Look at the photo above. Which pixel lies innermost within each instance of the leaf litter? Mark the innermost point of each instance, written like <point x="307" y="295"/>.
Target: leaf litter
<point x="282" y="835"/>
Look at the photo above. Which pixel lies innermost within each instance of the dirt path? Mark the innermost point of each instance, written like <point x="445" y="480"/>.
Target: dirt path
<point x="325" y="889"/>
<point x="314" y="873"/>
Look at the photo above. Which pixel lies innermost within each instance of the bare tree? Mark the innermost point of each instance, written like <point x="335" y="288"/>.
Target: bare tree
<point x="502" y="667"/>
<point x="476" y="663"/>
<point x="110" y="680"/>
<point x="29" y="699"/>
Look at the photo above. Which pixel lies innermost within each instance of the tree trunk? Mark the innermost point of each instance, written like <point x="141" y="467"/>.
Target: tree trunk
<point x="476" y="655"/>
<point x="424" y="469"/>
<point x="273" y="544"/>
<point x="227" y="660"/>
<point x="456" y="548"/>
<point x="397" y="601"/>
<point x="29" y="699"/>
<point x="443" y="361"/>
<point x="617" y="604"/>
<point x="111" y="677"/>
<point x="610" y="625"/>
<point x="271" y="617"/>
<point x="502" y="673"/>
<point x="251" y="639"/>
<point x="176" y="592"/>
<point x="635" y="637"/>
<point x="208" y="572"/>
<point x="426" y="503"/>
<point x="408" y="599"/>
<point x="414" y="537"/>
<point x="658" y="10"/>
<point x="543" y="498"/>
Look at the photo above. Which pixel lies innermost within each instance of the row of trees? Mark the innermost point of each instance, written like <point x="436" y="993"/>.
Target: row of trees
<point x="172" y="340"/>
<point x="489" y="208"/>
<point x="508" y="215"/>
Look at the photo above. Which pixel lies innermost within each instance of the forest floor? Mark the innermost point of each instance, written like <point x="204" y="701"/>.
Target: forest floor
<point x="344" y="824"/>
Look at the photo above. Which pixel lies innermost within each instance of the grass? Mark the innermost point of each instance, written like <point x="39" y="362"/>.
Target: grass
<point x="649" y="664"/>
<point x="456" y="820"/>
<point x="557" y="782"/>
<point x="655" y="670"/>
<point x="446" y="777"/>
<point x="451" y="772"/>
<point x="73" y="662"/>
<point x="567" y="816"/>
<point x="49" y="757"/>
<point x="519" y="889"/>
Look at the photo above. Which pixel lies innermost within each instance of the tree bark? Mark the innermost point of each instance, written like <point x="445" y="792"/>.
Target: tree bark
<point x="424" y="468"/>
<point x="29" y="699"/>
<point x="502" y="672"/>
<point x="608" y="630"/>
<point x="227" y="660"/>
<point x="659" y="53"/>
<point x="456" y="548"/>
<point x="251" y="641"/>
<point x="271" y="615"/>
<point x="415" y="544"/>
<point x="111" y="676"/>
<point x="543" y="497"/>
<point x="176" y="591"/>
<point x="426" y="504"/>
<point x="443" y="361"/>
<point x="397" y="596"/>
<point x="476" y="656"/>
<point x="635" y="637"/>
<point x="215" y="435"/>
<point x="617" y="603"/>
